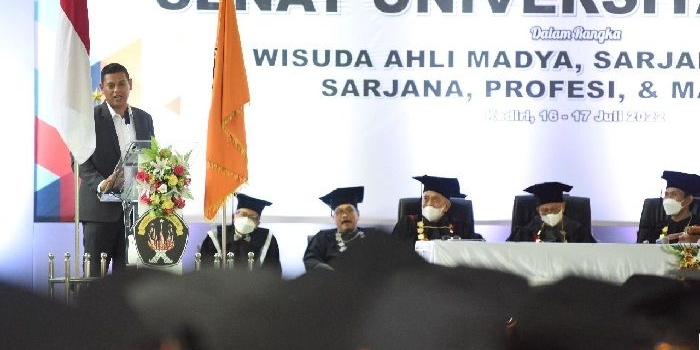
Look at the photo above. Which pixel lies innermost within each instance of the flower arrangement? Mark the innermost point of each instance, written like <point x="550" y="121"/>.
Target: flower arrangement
<point x="97" y="96"/>
<point x="164" y="179"/>
<point x="686" y="255"/>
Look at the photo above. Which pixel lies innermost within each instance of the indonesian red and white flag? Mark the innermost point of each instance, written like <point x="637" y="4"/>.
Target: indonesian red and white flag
<point x="73" y="104"/>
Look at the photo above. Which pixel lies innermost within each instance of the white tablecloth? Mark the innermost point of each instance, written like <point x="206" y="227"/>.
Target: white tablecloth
<point x="549" y="262"/>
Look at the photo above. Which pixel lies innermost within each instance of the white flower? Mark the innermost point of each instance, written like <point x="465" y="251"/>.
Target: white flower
<point x="160" y="165"/>
<point x="162" y="188"/>
<point x="186" y="193"/>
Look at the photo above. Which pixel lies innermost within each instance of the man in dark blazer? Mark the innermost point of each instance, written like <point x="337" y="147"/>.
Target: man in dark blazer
<point x="116" y="125"/>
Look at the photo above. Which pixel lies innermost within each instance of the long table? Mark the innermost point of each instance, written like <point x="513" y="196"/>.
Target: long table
<point x="548" y="262"/>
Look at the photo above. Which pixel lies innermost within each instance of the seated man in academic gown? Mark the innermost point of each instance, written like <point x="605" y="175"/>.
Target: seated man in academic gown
<point x="243" y="237"/>
<point x="436" y="222"/>
<point x="326" y="245"/>
<point x="681" y="224"/>
<point x="551" y="225"/>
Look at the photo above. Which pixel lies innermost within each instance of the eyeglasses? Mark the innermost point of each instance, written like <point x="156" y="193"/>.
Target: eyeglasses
<point x="248" y="215"/>
<point x="549" y="210"/>
<point x="345" y="211"/>
<point x="433" y="200"/>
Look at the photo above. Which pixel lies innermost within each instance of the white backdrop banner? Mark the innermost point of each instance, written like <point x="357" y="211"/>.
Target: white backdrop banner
<point x="500" y="94"/>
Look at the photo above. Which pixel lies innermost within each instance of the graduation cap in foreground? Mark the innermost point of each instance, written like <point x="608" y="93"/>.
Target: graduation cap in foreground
<point x="446" y="186"/>
<point x="689" y="183"/>
<point x="577" y="313"/>
<point x="337" y="303"/>
<point x="443" y="308"/>
<point x="344" y="195"/>
<point x="549" y="192"/>
<point x="254" y="204"/>
<point x="208" y="309"/>
<point x="33" y="321"/>
<point x="669" y="306"/>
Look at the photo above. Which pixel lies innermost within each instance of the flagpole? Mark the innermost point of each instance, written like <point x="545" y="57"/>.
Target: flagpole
<point x="223" y="233"/>
<point x="76" y="217"/>
<point x="74" y="112"/>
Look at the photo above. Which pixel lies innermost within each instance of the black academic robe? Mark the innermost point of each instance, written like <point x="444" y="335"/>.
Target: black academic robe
<point x="571" y="231"/>
<point x="324" y="247"/>
<point x="677" y="226"/>
<point x="447" y="227"/>
<point x="240" y="248"/>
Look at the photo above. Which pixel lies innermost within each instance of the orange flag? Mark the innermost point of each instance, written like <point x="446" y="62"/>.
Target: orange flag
<point x="227" y="161"/>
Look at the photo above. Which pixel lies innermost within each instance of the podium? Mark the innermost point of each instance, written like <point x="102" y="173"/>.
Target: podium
<point x="126" y="187"/>
<point x="148" y="249"/>
<point x="125" y="190"/>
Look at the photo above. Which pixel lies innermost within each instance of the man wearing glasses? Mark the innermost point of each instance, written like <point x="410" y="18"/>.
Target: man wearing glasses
<point x="326" y="245"/>
<point x="243" y="237"/>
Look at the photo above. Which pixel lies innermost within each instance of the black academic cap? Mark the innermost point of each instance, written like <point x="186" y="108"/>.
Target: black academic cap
<point x="344" y="195"/>
<point x="209" y="309"/>
<point x="577" y="313"/>
<point x="325" y="309"/>
<point x="254" y="204"/>
<point x="443" y="308"/>
<point x="668" y="305"/>
<point x="33" y="321"/>
<point x="549" y="192"/>
<point x="106" y="299"/>
<point x="446" y="186"/>
<point x="689" y="183"/>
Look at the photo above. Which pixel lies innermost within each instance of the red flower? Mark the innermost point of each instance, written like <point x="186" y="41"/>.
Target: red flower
<point x="145" y="199"/>
<point x="167" y="211"/>
<point x="142" y="176"/>
<point x="178" y="170"/>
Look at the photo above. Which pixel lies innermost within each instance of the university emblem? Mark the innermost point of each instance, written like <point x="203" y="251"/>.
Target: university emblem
<point x="160" y="241"/>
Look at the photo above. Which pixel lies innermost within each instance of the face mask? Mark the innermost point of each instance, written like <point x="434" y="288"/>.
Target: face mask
<point x="672" y="206"/>
<point x="244" y="225"/>
<point x="552" y="219"/>
<point x="432" y="213"/>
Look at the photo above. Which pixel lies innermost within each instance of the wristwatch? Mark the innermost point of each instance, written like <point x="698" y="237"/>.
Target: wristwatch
<point x="692" y="230"/>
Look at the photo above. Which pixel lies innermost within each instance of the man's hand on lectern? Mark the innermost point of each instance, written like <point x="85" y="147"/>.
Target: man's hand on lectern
<point x="118" y="178"/>
<point x="107" y="184"/>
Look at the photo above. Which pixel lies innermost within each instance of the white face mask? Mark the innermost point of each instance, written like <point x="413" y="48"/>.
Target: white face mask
<point x="432" y="213"/>
<point x="244" y="225"/>
<point x="672" y="206"/>
<point x="552" y="219"/>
